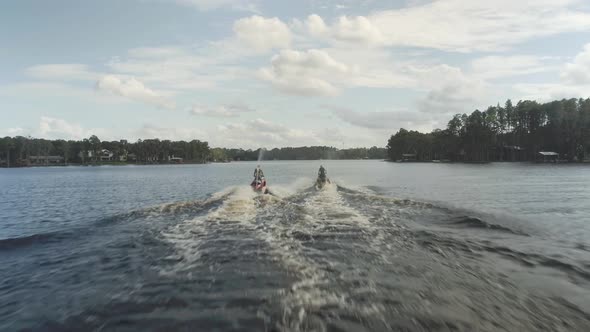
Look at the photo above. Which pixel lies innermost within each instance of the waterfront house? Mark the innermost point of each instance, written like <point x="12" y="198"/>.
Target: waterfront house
<point x="175" y="160"/>
<point x="548" y="157"/>
<point x="106" y="155"/>
<point x="408" y="157"/>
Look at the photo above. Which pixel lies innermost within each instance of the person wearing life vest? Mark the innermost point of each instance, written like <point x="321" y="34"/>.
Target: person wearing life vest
<point x="322" y="174"/>
<point x="258" y="174"/>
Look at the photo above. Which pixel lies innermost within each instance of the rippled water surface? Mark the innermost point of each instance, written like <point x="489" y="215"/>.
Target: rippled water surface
<point x="387" y="246"/>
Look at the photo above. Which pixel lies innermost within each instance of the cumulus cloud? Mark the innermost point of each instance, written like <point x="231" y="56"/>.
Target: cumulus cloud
<point x="181" y="69"/>
<point x="260" y="132"/>
<point x="14" y="131"/>
<point x="447" y="90"/>
<point x="449" y="99"/>
<point x="544" y="92"/>
<point x="326" y="72"/>
<point x="263" y="133"/>
<point x="578" y="71"/>
<point x="379" y="119"/>
<point x="574" y="81"/>
<point x="357" y="29"/>
<point x="451" y="91"/>
<point x="152" y="131"/>
<point x="458" y="25"/>
<point x="222" y="111"/>
<point x="493" y="67"/>
<point x="54" y="128"/>
<point x="63" y="71"/>
<point x="313" y="72"/>
<point x="132" y="89"/>
<point x="261" y="33"/>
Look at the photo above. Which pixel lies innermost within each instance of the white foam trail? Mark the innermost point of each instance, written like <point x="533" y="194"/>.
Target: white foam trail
<point x="355" y="187"/>
<point x="319" y="212"/>
<point x="312" y="291"/>
<point x="286" y="190"/>
<point x="188" y="236"/>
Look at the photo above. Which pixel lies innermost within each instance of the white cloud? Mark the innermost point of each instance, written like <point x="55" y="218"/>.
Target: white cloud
<point x="180" y="69"/>
<point x="449" y="99"/>
<point x="14" y="131"/>
<point x="451" y="92"/>
<point x="132" y="89"/>
<point x="376" y="68"/>
<point x="492" y="67"/>
<point x="458" y="25"/>
<point x="574" y="81"/>
<point x="544" y="92"/>
<point x="261" y="33"/>
<point x="357" y="29"/>
<point x="262" y="133"/>
<point x="222" y="111"/>
<point x="316" y="26"/>
<point x="313" y="72"/>
<point x="54" y="128"/>
<point x="326" y="72"/>
<point x="380" y="119"/>
<point x="578" y="71"/>
<point x="152" y="131"/>
<point x="51" y="127"/>
<point x="64" y="71"/>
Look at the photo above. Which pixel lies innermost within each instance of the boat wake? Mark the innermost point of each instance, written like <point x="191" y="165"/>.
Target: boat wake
<point x="308" y="259"/>
<point x="354" y="260"/>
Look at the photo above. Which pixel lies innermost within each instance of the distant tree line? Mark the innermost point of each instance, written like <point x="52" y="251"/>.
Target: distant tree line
<point x="19" y="151"/>
<point x="298" y="153"/>
<point x="503" y="133"/>
<point x="24" y="151"/>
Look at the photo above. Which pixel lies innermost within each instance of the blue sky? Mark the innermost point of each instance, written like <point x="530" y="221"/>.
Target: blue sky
<point x="254" y="73"/>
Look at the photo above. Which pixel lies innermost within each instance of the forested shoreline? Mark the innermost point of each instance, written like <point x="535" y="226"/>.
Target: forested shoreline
<point x="527" y="131"/>
<point x="27" y="151"/>
<point x="299" y="153"/>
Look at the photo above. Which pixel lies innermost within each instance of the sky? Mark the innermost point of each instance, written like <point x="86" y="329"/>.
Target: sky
<point x="271" y="73"/>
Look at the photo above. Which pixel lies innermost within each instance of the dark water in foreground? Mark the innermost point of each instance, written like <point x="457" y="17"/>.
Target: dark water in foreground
<point x="405" y="247"/>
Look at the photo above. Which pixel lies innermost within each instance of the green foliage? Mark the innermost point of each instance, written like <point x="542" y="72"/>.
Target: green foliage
<point x="509" y="133"/>
<point x="16" y="151"/>
<point x="301" y="153"/>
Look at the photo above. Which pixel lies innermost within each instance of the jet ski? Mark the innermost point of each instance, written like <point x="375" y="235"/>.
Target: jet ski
<point x="259" y="186"/>
<point x="322" y="180"/>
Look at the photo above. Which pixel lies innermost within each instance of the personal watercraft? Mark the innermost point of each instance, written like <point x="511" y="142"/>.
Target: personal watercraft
<point x="259" y="185"/>
<point x="322" y="180"/>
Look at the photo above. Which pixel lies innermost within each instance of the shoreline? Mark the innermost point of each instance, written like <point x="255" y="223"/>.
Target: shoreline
<point x="118" y="164"/>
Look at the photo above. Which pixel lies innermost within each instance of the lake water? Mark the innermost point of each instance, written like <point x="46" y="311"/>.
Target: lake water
<point x="387" y="246"/>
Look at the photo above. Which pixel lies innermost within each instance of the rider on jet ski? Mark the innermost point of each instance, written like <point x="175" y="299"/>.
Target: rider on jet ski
<point x="322" y="177"/>
<point x="258" y="174"/>
<point x="259" y="183"/>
